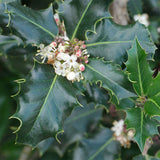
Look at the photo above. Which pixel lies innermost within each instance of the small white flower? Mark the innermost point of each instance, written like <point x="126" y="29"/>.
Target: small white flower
<point x="63" y="56"/>
<point x="72" y="60"/>
<point x="78" y="76"/>
<point x="41" y="46"/>
<point x="71" y="76"/>
<point x="45" y="52"/>
<point x="76" y="66"/>
<point x="143" y="18"/>
<point x="118" y="127"/>
<point x="61" y="48"/>
<point x="60" y="68"/>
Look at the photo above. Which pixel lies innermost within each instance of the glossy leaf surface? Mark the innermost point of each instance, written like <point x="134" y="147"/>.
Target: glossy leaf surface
<point x="111" y="40"/>
<point x="140" y="75"/>
<point x="135" y="7"/>
<point x="147" y="157"/>
<point x="99" y="147"/>
<point x="87" y="119"/>
<point x="81" y="15"/>
<point x="7" y="42"/>
<point x="143" y="125"/>
<point x="110" y="76"/>
<point x="139" y="72"/>
<point x="33" y="26"/>
<point x="45" y="101"/>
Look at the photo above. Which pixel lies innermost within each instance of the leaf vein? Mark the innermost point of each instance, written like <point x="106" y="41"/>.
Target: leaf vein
<point x="52" y="85"/>
<point x="36" y="24"/>
<point x="139" y="76"/>
<point x="101" y="149"/>
<point x="151" y="100"/>
<point x="103" y="43"/>
<point x="75" y="31"/>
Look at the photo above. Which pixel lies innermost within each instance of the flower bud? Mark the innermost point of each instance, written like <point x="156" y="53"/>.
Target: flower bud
<point x="86" y="61"/>
<point x="78" y="53"/>
<point x="76" y="47"/>
<point x="82" y="67"/>
<point x="54" y="44"/>
<point x="57" y="20"/>
<point x="84" y="46"/>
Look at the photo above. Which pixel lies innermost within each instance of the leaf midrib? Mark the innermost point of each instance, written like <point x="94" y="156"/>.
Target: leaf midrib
<point x="141" y="127"/>
<point x="139" y="75"/>
<point x="108" y="42"/>
<point x="7" y="42"/>
<point x="35" y="24"/>
<point x="154" y="102"/>
<point x="104" y="77"/>
<point x="83" y="115"/>
<point x="78" y="24"/>
<point x="43" y="105"/>
<point x="101" y="149"/>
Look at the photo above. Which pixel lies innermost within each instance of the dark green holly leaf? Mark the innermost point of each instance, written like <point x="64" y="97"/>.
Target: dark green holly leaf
<point x="111" y="40"/>
<point x="135" y="7"/>
<point x="7" y="42"/>
<point x="81" y="15"/>
<point x="16" y="57"/>
<point x="96" y="94"/>
<point x="6" y="1"/>
<point x="147" y="157"/>
<point x="141" y="76"/>
<point x="33" y="26"/>
<point x="155" y="65"/>
<point x="153" y="28"/>
<point x="19" y="59"/>
<point x="123" y="104"/>
<point x="44" y="145"/>
<point x="143" y="125"/>
<point x="139" y="71"/>
<point x="154" y="87"/>
<point x="4" y="20"/>
<point x="111" y="77"/>
<point x="44" y="102"/>
<point x="152" y="105"/>
<point x="89" y="116"/>
<point x="99" y="147"/>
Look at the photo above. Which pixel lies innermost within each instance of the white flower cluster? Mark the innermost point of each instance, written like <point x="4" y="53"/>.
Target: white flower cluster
<point x="142" y="18"/>
<point x="68" y="58"/>
<point x="121" y="135"/>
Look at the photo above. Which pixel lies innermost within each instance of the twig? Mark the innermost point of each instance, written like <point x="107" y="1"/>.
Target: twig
<point x="25" y="153"/>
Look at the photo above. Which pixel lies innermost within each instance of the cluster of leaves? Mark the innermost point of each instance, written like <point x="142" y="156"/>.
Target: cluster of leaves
<point x="119" y="73"/>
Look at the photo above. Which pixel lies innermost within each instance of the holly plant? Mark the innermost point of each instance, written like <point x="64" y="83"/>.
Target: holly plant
<point x="85" y="87"/>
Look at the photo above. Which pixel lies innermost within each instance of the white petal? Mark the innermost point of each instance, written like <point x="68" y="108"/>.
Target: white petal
<point x="71" y="76"/>
<point x="57" y="64"/>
